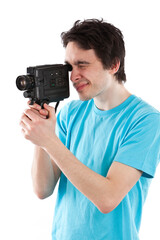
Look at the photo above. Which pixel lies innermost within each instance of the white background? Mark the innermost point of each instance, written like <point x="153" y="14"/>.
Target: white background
<point x="30" y="35"/>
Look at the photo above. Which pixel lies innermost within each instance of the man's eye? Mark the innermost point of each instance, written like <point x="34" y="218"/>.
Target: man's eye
<point x="82" y="66"/>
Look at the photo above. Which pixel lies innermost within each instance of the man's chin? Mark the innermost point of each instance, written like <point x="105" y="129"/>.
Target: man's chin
<point x="84" y="98"/>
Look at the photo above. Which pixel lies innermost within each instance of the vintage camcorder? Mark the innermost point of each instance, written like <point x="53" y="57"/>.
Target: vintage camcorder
<point x="45" y="83"/>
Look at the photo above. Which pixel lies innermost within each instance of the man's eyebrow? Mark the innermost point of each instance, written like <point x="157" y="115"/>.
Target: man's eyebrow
<point x="79" y="62"/>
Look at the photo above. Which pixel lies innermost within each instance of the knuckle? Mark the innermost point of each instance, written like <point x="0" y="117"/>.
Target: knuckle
<point x="36" y="106"/>
<point x="26" y="136"/>
<point x="31" y="129"/>
<point x="22" y="116"/>
<point x="44" y="113"/>
<point x="26" y="111"/>
<point x="36" y="122"/>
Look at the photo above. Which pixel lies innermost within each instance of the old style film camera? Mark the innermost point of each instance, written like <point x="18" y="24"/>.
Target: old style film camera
<point x="45" y="83"/>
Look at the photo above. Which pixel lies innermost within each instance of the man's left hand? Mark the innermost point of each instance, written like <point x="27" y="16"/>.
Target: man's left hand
<point x="37" y="129"/>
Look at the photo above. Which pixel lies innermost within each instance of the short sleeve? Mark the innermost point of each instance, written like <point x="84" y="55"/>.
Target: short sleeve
<point x="141" y="147"/>
<point x="61" y="124"/>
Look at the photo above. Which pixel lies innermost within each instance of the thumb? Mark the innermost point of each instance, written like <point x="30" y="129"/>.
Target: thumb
<point x="51" y="110"/>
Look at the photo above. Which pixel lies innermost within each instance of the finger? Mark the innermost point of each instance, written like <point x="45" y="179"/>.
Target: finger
<point x="31" y="115"/>
<point x="25" y="134"/>
<point x="38" y="107"/>
<point x="35" y="106"/>
<point x="23" y="125"/>
<point x="23" y="131"/>
<point x="42" y="114"/>
<point x="25" y="121"/>
<point x="51" y="110"/>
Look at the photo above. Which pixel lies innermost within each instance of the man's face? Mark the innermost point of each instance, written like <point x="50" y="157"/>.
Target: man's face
<point x="88" y="76"/>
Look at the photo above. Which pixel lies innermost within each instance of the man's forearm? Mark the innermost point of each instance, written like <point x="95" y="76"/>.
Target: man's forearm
<point x="44" y="175"/>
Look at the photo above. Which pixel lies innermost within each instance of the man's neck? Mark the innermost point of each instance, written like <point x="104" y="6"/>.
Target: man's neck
<point x="112" y="97"/>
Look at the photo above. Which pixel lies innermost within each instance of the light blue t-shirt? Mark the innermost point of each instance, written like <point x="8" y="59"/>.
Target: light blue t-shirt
<point x="128" y="133"/>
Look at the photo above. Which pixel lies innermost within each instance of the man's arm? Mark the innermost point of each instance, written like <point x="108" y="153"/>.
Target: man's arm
<point x="45" y="172"/>
<point x="105" y="192"/>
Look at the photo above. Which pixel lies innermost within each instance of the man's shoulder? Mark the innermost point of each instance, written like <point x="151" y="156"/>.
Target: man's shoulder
<point x="141" y="111"/>
<point x="74" y="106"/>
<point x="141" y="107"/>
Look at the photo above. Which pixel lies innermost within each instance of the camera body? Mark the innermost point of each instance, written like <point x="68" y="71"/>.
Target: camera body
<point x="45" y="83"/>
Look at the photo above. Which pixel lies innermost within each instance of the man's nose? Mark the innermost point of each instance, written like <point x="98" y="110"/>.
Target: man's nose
<point x="75" y="75"/>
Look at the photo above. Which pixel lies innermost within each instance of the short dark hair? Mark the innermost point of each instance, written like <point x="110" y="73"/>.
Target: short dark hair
<point x="106" y="40"/>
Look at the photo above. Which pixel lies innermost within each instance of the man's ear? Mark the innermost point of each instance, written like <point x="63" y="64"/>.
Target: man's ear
<point x="115" y="67"/>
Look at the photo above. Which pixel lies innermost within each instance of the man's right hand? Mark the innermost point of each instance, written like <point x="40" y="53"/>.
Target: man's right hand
<point x="43" y="113"/>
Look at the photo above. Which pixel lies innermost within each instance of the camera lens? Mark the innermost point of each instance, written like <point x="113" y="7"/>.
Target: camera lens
<point x="24" y="82"/>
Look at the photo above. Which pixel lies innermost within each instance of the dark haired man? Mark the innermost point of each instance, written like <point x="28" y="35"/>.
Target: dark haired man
<point x="106" y="146"/>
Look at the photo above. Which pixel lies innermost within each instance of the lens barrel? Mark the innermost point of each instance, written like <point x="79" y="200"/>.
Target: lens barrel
<point x="24" y="82"/>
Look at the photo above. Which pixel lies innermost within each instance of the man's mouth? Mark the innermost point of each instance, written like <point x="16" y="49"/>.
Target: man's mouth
<point x="80" y="86"/>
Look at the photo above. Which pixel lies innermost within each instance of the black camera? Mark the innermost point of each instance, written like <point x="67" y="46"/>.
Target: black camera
<point x="45" y="83"/>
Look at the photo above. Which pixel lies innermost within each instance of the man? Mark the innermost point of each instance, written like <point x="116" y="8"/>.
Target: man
<point x="106" y="146"/>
